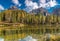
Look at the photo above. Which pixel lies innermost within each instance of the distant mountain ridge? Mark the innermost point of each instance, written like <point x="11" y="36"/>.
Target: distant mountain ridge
<point x="40" y="10"/>
<point x="56" y="11"/>
<point x="45" y="12"/>
<point x="13" y="8"/>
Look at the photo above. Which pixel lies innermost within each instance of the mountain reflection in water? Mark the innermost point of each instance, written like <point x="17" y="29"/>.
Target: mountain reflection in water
<point x="28" y="38"/>
<point x="29" y="33"/>
<point x="1" y="39"/>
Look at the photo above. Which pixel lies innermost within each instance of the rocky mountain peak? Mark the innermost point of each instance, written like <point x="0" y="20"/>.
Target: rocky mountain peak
<point x="13" y="8"/>
<point x="40" y="10"/>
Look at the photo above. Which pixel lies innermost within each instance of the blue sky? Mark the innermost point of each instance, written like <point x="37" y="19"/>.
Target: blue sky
<point x="29" y="5"/>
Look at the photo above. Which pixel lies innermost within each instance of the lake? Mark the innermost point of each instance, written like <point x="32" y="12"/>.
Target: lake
<point x="29" y="33"/>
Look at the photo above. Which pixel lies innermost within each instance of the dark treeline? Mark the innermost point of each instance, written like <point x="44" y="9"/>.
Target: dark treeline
<point x="20" y="16"/>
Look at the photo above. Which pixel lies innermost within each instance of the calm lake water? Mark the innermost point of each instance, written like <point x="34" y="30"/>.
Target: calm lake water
<point x="28" y="33"/>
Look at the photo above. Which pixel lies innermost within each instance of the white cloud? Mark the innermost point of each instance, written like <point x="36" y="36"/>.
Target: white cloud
<point x="30" y="5"/>
<point x="50" y="3"/>
<point x="16" y="2"/>
<point x="42" y="1"/>
<point x="1" y="7"/>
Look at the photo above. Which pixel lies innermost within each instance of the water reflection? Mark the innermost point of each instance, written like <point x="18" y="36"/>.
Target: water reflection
<point x="28" y="38"/>
<point x="14" y="37"/>
<point x="29" y="33"/>
<point x="1" y="39"/>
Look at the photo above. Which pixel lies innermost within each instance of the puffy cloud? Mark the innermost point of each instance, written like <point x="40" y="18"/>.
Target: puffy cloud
<point x="49" y="3"/>
<point x="42" y="1"/>
<point x="1" y="7"/>
<point x="52" y="3"/>
<point x="16" y="2"/>
<point x="30" y="5"/>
